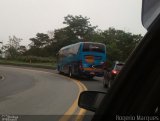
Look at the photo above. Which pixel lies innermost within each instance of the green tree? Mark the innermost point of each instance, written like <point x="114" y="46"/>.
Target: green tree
<point x="63" y="37"/>
<point x="11" y="49"/>
<point x="78" y="29"/>
<point x="39" y="45"/>
<point x="80" y="26"/>
<point x="41" y="40"/>
<point x="119" y="43"/>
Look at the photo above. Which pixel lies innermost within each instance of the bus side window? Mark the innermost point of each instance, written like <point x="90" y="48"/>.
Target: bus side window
<point x="72" y="51"/>
<point x="76" y="49"/>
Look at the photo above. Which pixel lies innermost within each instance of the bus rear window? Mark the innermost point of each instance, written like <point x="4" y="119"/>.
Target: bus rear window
<point x="92" y="47"/>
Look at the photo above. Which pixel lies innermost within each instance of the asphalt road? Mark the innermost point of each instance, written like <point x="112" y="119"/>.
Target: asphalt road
<point x="31" y="91"/>
<point x="95" y="84"/>
<point x="34" y="92"/>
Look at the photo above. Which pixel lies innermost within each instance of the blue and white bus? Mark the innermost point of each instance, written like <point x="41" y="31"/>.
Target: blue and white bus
<point x="82" y="59"/>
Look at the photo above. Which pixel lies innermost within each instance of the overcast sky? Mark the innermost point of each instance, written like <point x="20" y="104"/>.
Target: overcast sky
<point x="25" y="18"/>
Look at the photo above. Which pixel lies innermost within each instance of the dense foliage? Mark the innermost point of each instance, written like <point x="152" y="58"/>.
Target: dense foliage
<point x="119" y="44"/>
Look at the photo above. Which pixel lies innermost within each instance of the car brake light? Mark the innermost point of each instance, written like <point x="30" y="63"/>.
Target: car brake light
<point x="114" y="72"/>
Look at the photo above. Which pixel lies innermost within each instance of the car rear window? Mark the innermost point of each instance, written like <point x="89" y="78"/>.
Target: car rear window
<point x="118" y="66"/>
<point x="93" y="47"/>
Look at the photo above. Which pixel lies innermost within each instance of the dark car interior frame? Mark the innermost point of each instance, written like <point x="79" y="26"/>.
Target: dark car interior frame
<point x="136" y="90"/>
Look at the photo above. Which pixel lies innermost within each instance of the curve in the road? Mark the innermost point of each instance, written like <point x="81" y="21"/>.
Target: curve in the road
<point x="72" y="109"/>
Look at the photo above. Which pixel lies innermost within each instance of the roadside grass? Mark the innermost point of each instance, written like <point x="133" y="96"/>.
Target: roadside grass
<point x="48" y="65"/>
